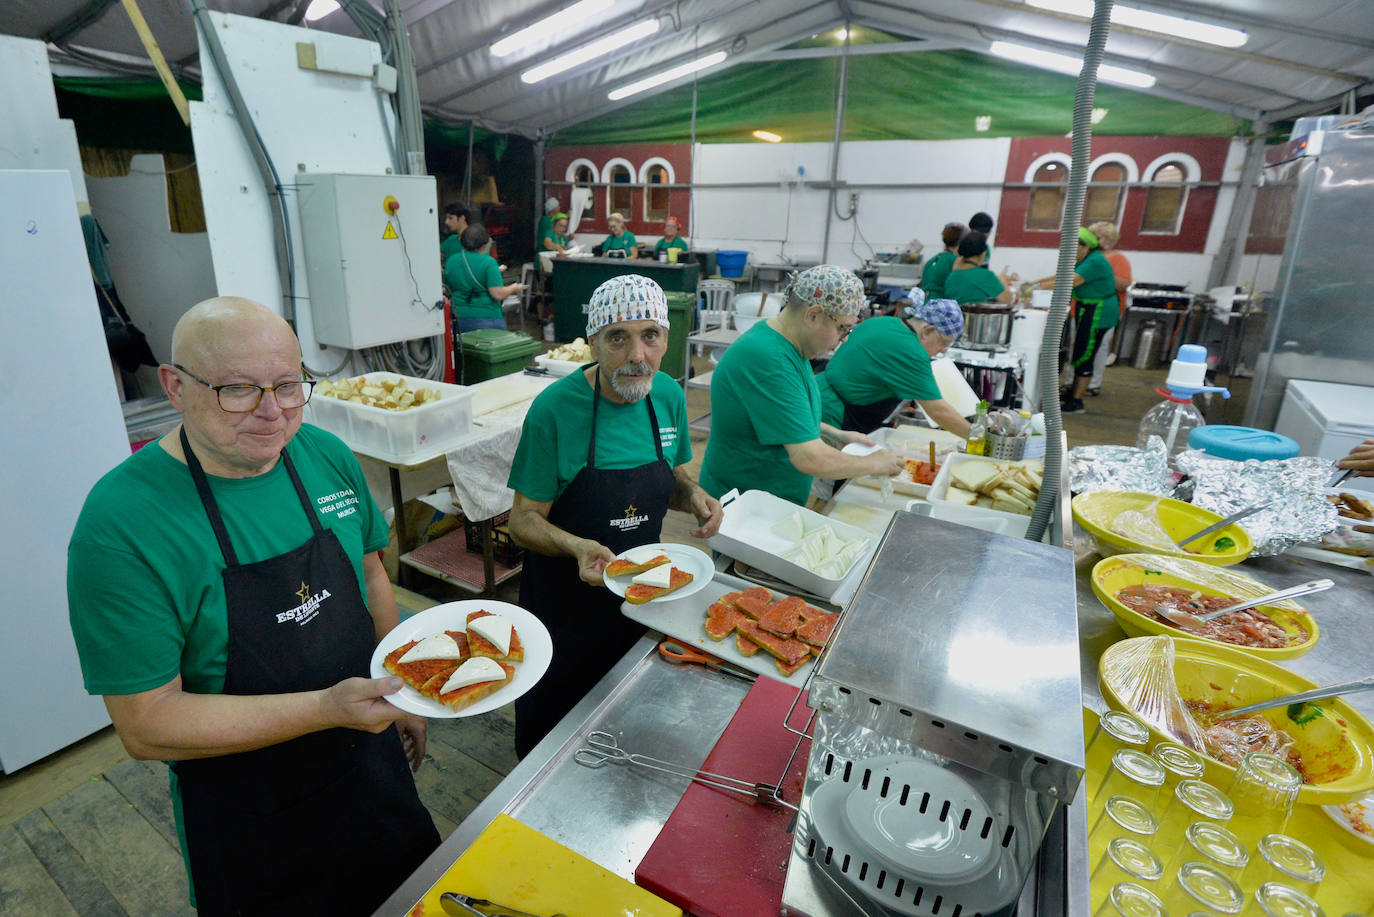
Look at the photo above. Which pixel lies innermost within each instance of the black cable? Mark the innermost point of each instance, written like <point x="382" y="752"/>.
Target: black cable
<point x="418" y="300"/>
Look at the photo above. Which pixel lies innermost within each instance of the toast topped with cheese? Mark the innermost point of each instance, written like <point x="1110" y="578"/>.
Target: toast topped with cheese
<point x="653" y="583"/>
<point x="636" y="561"/>
<point x="494" y="637"/>
<point x="416" y="662"/>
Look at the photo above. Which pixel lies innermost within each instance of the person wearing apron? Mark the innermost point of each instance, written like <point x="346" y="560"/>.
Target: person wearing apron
<point x="887" y="361"/>
<point x="577" y="506"/>
<point x="291" y="783"/>
<point x="1094" y="308"/>
<point x="766" y="428"/>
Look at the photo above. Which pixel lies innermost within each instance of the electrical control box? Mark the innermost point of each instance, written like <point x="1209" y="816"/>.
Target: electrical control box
<point x="372" y="257"/>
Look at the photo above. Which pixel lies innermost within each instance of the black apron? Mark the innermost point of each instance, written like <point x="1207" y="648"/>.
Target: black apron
<point x="325" y="823"/>
<point x="865" y="418"/>
<point x="621" y="509"/>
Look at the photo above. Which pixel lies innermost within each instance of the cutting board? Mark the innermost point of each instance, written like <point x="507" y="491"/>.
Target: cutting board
<point x="504" y="391"/>
<point x="515" y="865"/>
<point x="719" y="854"/>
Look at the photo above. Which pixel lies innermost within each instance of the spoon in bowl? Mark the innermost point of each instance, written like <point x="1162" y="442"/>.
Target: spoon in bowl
<point x="1184" y="619"/>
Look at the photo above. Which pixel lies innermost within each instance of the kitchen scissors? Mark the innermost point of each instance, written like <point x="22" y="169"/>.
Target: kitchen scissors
<point x="680" y="654"/>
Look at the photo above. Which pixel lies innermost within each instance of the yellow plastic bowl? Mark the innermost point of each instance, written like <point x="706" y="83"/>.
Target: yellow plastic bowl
<point x="1094" y="510"/>
<point x="1113" y="574"/>
<point x="1354" y="841"/>
<point x="1337" y="748"/>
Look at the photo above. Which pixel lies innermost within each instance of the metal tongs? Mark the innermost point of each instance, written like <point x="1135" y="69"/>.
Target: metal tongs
<point x="601" y="748"/>
<point x="1218" y="526"/>
<point x="1349" y="687"/>
<point x="457" y="905"/>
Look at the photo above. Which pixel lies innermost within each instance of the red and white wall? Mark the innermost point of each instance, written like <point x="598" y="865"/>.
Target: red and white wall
<point x="925" y="185"/>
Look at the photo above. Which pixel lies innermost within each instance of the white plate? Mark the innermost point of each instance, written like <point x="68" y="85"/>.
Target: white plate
<point x="1362" y="809"/>
<point x="685" y="557"/>
<point x="534" y="636"/>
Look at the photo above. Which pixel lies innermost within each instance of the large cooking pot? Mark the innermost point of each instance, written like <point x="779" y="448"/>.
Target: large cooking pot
<point x="987" y="325"/>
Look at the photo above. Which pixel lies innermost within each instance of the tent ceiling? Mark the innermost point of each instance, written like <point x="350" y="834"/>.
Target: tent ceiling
<point x="1300" y="57"/>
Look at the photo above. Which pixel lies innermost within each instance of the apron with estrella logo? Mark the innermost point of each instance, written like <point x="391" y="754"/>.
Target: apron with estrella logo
<point x="622" y="509"/>
<point x="325" y="823"/>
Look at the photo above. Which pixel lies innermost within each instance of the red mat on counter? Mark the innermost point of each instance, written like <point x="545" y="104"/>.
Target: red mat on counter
<point x="719" y="854"/>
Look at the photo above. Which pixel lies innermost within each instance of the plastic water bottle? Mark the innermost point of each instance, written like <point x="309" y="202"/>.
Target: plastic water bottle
<point x="1176" y="416"/>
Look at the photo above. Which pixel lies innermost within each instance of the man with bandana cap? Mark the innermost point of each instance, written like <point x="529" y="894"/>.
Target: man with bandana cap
<point x="602" y="458"/>
<point x="766" y="427"/>
<point x="886" y="361"/>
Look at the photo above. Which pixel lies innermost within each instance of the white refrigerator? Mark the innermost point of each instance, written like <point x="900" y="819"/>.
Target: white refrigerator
<point x="1328" y="419"/>
<point x="63" y="429"/>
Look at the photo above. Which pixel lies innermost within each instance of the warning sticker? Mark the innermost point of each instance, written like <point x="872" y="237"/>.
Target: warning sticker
<point x="390" y="232"/>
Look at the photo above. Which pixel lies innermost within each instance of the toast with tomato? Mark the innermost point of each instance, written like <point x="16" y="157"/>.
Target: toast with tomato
<point x="638" y="593"/>
<point x="622" y="567"/>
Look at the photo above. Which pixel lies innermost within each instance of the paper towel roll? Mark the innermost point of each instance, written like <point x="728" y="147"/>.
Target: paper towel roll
<point x="579" y="202"/>
<point x="953" y="387"/>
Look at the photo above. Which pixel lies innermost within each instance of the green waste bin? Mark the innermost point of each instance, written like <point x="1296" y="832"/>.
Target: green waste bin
<point x="491" y="353"/>
<point x="681" y="312"/>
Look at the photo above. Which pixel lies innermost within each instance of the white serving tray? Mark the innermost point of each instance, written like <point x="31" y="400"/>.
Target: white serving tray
<point x="940" y="487"/>
<point x="557" y="367"/>
<point x="685" y="621"/>
<point x="747" y="534"/>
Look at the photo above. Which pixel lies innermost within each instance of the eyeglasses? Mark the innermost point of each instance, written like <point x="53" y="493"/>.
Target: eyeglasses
<point x="244" y="397"/>
<point x="843" y="328"/>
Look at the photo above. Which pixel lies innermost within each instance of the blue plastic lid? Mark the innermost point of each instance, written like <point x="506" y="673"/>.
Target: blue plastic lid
<point x="1192" y="353"/>
<point x="1242" y="443"/>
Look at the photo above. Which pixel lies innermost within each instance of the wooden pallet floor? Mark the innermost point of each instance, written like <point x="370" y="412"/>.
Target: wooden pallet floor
<point x="88" y="831"/>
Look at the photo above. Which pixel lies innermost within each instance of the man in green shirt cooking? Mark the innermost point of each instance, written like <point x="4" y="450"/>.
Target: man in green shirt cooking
<point x="766" y="427"/>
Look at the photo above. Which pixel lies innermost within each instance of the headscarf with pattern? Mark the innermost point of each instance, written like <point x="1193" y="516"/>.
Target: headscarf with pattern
<point x="627" y="298"/>
<point x="837" y="290"/>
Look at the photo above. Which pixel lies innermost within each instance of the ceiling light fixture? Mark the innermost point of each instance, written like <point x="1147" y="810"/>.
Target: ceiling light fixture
<point x="599" y="48"/>
<point x="1065" y="63"/>
<point x="667" y="76"/>
<point x="841" y="34"/>
<point x="1129" y="16"/>
<point x="768" y="136"/>
<point x="549" y="26"/>
<point x="318" y="9"/>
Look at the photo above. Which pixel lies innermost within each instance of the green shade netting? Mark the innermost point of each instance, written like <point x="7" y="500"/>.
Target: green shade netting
<point x="919" y="95"/>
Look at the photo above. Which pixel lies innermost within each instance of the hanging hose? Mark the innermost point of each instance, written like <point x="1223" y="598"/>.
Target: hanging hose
<point x="1063" y="275"/>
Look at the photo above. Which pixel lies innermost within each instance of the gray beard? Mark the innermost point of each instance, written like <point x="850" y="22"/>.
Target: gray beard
<point x="632" y="391"/>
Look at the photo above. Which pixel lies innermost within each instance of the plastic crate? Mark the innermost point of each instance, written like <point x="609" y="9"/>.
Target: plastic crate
<point x="503" y="546"/>
<point x="385" y="434"/>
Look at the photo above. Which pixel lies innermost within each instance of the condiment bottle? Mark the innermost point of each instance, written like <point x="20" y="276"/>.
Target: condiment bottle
<point x="978" y="432"/>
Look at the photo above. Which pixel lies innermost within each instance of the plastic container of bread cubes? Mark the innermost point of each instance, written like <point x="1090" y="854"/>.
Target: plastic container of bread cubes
<point x="387" y="434"/>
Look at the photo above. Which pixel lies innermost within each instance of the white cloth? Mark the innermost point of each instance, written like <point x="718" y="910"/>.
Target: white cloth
<point x="579" y="203"/>
<point x="1104" y="350"/>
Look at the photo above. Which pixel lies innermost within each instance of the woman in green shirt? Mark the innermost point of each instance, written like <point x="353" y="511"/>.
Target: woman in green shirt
<point x="620" y="239"/>
<point x="556" y="238"/>
<point x="937" y="268"/>
<point x="671" y="239"/>
<point x="965" y="282"/>
<point x="474" y="280"/>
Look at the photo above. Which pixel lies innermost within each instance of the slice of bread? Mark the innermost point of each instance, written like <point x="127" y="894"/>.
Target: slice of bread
<point x="639" y="593"/>
<point x="465" y="697"/>
<point x="620" y="567"/>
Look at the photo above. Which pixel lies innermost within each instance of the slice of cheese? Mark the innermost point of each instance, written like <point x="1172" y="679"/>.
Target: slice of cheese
<point x="641" y="555"/>
<point x="659" y="577"/>
<point x="476" y="669"/>
<point x="494" y="628"/>
<point x="440" y="646"/>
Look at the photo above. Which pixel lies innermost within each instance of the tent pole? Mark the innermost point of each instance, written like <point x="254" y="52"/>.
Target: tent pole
<point x="1226" y="265"/>
<point x="467" y="170"/>
<point x="539" y="191"/>
<point x="692" y="164"/>
<point x="835" y="147"/>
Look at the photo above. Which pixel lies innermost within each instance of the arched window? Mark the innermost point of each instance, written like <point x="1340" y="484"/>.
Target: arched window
<point x="1104" y="201"/>
<point x="1046" y="208"/>
<point x="618" y="195"/>
<point x="582" y="172"/>
<point x="1165" y="201"/>
<point x="656" y="171"/>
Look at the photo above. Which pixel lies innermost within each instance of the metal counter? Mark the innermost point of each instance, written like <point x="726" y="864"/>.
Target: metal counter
<point x="611" y="815"/>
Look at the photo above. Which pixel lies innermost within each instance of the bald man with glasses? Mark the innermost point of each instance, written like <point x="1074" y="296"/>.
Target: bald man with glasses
<point x="226" y="595"/>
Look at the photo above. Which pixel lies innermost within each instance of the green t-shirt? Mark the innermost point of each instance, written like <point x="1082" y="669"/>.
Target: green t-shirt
<point x="883" y="359"/>
<point x="972" y="285"/>
<point x="625" y="242"/>
<point x="1098" y="286"/>
<point x="545" y="229"/>
<point x="934" y="274"/>
<point x="144" y="569"/>
<point x="763" y="396"/>
<point x="450" y="246"/>
<point x="663" y="244"/>
<point x="468" y="275"/>
<point x="554" y="438"/>
<point x="561" y="240"/>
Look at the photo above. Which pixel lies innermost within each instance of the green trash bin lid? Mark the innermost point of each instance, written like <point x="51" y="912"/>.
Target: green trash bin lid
<point x="493" y="345"/>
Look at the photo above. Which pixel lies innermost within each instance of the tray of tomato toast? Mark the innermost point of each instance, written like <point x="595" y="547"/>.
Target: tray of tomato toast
<point x="763" y="630"/>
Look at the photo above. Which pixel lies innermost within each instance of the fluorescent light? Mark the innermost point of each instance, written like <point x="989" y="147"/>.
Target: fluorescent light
<point x="768" y="136"/>
<point x="1129" y="16"/>
<point x="318" y="9"/>
<point x="841" y="34"/>
<point x="667" y="76"/>
<point x="1065" y="63"/>
<point x="596" y="49"/>
<point x="549" y="26"/>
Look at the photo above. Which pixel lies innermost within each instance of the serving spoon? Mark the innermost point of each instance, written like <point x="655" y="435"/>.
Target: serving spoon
<point x="1184" y="619"/>
<point x="1349" y="687"/>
